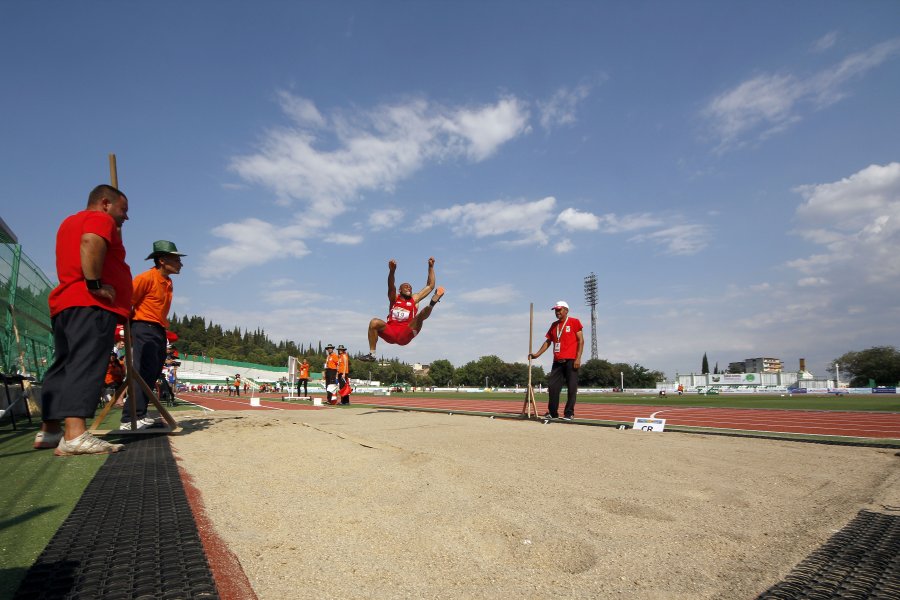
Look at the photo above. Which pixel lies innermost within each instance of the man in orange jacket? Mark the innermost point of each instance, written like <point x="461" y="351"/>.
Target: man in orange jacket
<point x="151" y="300"/>
<point x="331" y="365"/>
<point x="303" y="377"/>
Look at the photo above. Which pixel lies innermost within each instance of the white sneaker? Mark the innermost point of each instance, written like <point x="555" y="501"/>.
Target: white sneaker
<point x="45" y="439"/>
<point x="85" y="444"/>
<point x="141" y="424"/>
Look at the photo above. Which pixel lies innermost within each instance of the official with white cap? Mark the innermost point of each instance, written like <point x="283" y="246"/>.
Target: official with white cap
<point x="566" y="337"/>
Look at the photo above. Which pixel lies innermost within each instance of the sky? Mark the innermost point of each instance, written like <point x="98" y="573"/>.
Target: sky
<point x="729" y="171"/>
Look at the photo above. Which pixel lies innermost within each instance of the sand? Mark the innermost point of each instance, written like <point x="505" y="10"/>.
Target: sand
<point x="365" y="503"/>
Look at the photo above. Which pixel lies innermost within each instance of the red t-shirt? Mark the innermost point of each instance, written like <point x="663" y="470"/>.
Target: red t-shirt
<point x="563" y="332"/>
<point x="403" y="310"/>
<point x="71" y="290"/>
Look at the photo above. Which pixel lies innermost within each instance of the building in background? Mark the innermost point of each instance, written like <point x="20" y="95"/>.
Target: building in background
<point x="757" y="365"/>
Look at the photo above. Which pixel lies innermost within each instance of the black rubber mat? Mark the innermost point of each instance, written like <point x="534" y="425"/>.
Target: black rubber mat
<point x="131" y="536"/>
<point x="862" y="560"/>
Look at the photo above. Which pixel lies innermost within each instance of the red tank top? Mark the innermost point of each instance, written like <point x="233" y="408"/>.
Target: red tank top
<point x="403" y="310"/>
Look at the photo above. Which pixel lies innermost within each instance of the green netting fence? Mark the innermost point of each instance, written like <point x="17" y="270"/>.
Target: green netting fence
<point x="26" y="340"/>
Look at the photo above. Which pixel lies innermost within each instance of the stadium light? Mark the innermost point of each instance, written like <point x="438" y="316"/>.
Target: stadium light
<point x="590" y="298"/>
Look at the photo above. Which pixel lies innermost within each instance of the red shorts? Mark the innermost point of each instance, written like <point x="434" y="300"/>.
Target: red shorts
<point x="397" y="333"/>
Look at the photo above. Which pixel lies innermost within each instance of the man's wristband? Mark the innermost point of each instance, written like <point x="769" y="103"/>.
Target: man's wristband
<point x="93" y="284"/>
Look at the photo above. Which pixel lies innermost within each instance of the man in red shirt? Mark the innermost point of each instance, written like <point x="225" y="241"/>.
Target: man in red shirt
<point x="404" y="320"/>
<point x="93" y="295"/>
<point x="152" y="298"/>
<point x="568" y="343"/>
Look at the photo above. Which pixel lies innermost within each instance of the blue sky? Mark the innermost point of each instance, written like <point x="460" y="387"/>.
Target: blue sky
<point x="729" y="171"/>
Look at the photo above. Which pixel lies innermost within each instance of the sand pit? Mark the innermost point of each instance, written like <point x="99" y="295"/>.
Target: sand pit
<point x="364" y="503"/>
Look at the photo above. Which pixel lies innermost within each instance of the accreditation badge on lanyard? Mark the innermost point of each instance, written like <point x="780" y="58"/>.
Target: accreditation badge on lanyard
<point x="559" y="329"/>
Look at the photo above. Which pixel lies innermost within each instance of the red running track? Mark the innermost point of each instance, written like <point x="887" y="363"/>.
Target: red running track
<point x="878" y="425"/>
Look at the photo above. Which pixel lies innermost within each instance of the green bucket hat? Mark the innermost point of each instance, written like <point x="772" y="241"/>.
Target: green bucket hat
<point x="161" y="247"/>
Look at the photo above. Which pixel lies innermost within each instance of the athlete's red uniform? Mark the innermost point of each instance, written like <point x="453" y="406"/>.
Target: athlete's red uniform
<point x="396" y="329"/>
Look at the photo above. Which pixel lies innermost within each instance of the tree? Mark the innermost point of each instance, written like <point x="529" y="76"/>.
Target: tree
<point x="704" y="368"/>
<point x="441" y="372"/>
<point x="881" y="363"/>
<point x="597" y="372"/>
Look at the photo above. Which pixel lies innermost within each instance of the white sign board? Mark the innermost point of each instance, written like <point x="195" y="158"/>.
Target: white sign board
<point x="642" y="424"/>
<point x="254" y="401"/>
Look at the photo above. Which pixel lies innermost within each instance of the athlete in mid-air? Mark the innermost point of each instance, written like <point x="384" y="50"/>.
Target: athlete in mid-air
<point x="404" y="319"/>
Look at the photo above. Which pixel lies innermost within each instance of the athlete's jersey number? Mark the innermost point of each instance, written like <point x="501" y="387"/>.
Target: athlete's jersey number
<point x="400" y="314"/>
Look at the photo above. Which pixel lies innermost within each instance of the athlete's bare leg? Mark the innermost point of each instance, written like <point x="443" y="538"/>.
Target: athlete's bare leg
<point x="416" y="325"/>
<point x="375" y="326"/>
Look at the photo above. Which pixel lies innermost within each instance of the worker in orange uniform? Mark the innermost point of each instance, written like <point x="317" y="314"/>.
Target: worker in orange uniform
<point x="331" y="365"/>
<point x="303" y="378"/>
<point x="343" y="375"/>
<point x="151" y="300"/>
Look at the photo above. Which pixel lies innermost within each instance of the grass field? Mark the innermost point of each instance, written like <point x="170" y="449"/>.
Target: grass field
<point x="39" y="491"/>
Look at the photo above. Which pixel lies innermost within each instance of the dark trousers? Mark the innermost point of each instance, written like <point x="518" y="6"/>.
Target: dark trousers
<point x="330" y="378"/>
<point x="83" y="338"/>
<point x="562" y="373"/>
<point x="148" y="351"/>
<point x="304" y="383"/>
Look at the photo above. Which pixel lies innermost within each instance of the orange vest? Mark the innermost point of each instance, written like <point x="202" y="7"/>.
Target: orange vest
<point x="304" y="371"/>
<point x="331" y="361"/>
<point x="343" y="364"/>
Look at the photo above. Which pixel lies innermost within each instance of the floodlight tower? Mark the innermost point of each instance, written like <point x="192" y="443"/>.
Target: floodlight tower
<point x="590" y="298"/>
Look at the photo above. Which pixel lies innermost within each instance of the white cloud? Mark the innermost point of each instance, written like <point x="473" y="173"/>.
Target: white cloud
<point x="856" y="223"/>
<point x="251" y="242"/>
<point x="812" y="282"/>
<point x="769" y="103"/>
<point x="563" y="247"/>
<point x="327" y="161"/>
<point x="345" y="239"/>
<point x="385" y="219"/>
<point x="825" y="42"/>
<point x="302" y="110"/>
<point x="482" y="131"/>
<point x="523" y="220"/>
<point x="682" y="239"/>
<point x="501" y="294"/>
<point x="611" y="223"/>
<point x="560" y="109"/>
<point x="576" y="220"/>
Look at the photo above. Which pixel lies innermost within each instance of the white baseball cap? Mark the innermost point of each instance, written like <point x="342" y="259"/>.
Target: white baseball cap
<point x="560" y="304"/>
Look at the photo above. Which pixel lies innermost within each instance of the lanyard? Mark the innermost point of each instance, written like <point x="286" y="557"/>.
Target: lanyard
<point x="561" y="328"/>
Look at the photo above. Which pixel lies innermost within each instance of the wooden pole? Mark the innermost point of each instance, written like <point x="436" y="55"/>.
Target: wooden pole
<point x="529" y="392"/>
<point x="113" y="172"/>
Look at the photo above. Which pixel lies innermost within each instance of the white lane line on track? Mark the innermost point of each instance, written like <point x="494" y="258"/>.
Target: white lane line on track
<point x="180" y="399"/>
<point x="247" y="404"/>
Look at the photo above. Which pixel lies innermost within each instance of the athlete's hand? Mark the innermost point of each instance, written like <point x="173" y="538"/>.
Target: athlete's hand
<point x="392" y="264"/>
<point x="431" y="262"/>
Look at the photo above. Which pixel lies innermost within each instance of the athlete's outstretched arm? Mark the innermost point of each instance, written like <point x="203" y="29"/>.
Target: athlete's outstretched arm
<point x="428" y="286"/>
<point x="392" y="288"/>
